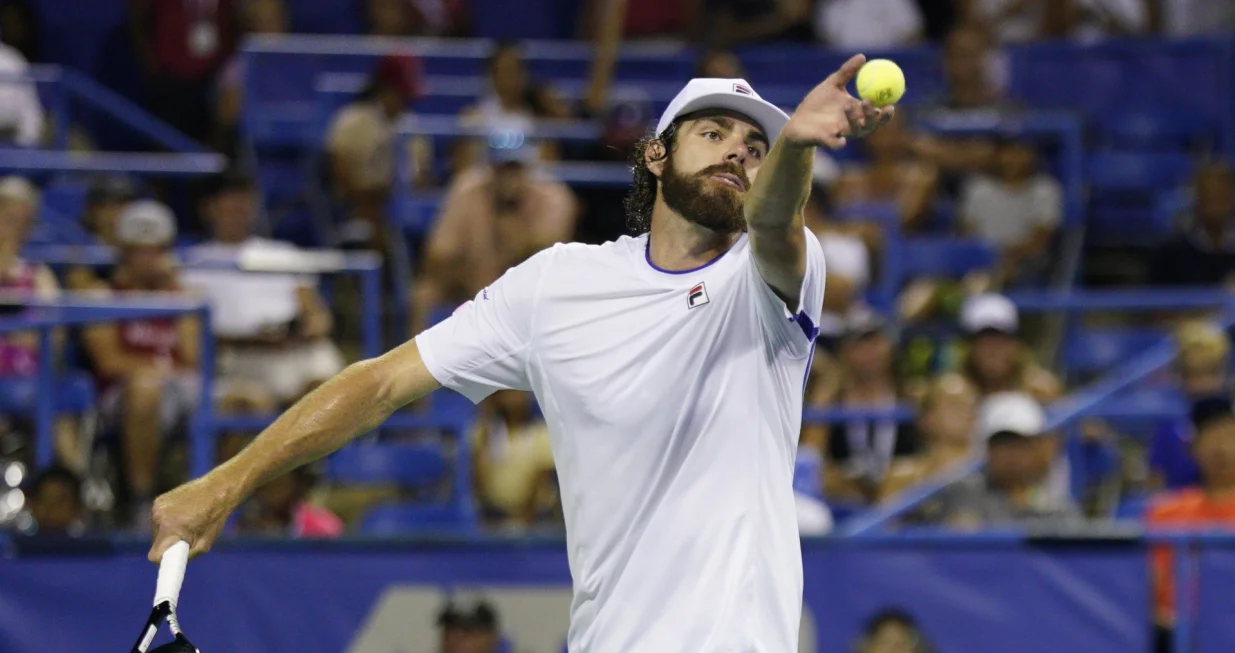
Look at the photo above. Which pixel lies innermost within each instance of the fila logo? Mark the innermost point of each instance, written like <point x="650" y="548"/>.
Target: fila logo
<point x="743" y="89"/>
<point x="698" y="296"/>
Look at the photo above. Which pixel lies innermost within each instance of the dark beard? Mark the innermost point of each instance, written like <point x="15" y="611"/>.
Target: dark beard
<point x="718" y="209"/>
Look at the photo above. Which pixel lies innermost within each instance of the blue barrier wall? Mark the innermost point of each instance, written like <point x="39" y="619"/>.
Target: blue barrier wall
<point x="970" y="597"/>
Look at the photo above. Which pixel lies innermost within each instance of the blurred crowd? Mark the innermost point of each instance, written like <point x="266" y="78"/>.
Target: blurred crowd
<point x="949" y="372"/>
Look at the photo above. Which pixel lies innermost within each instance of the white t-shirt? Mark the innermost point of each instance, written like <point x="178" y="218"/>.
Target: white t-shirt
<point x="674" y="405"/>
<point x="858" y="24"/>
<point x="243" y="303"/>
<point x="1004" y="216"/>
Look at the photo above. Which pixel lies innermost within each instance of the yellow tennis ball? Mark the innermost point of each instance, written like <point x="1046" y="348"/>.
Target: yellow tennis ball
<point x="881" y="81"/>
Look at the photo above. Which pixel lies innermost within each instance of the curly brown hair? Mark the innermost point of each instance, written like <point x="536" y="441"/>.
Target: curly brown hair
<point x="642" y="196"/>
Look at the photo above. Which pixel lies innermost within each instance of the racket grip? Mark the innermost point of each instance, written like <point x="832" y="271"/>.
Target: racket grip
<point x="171" y="574"/>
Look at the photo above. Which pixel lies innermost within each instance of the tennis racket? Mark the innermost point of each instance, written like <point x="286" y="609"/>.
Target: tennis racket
<point x="166" y="595"/>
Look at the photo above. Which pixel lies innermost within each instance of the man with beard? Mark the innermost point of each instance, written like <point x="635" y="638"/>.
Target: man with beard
<point x="669" y="367"/>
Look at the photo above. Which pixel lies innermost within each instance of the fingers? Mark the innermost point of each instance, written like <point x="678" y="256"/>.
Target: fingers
<point x="162" y="542"/>
<point x="847" y="71"/>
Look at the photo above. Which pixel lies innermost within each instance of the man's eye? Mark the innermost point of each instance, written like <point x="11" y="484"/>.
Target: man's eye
<point x="755" y="152"/>
<point x="711" y="135"/>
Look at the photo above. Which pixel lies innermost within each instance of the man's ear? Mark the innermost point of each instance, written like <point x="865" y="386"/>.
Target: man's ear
<point x="654" y="157"/>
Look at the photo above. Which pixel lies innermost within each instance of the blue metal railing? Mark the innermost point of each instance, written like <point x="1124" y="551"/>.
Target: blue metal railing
<point x="1067" y="409"/>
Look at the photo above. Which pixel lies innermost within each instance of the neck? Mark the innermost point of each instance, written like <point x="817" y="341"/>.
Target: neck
<point x="679" y="244"/>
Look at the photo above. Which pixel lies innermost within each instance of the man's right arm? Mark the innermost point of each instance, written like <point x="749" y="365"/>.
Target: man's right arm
<point x="352" y="403"/>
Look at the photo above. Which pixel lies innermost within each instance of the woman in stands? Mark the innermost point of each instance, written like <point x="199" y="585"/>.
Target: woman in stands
<point x="19" y="352"/>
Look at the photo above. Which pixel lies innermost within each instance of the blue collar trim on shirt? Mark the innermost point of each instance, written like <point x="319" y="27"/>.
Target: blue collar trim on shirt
<point x="647" y="256"/>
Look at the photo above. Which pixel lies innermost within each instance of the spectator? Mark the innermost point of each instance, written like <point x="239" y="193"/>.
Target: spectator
<point x="1204" y="253"/>
<point x="21" y="115"/>
<point x="858" y="454"/>
<point x="264" y="17"/>
<point x="1211" y="505"/>
<point x="868" y="24"/>
<point x="514" y="102"/>
<point x="181" y="46"/>
<point x="1018" y="210"/>
<point x="56" y="503"/>
<point x="945" y="426"/>
<point x="147" y="368"/>
<point x="492" y="218"/>
<point x="893" y="630"/>
<point x="361" y="144"/>
<point x="106" y="198"/>
<point x="736" y="22"/>
<point x="19" y="29"/>
<point x="513" y="461"/>
<point x="273" y="329"/>
<point x="281" y="508"/>
<point x="970" y="70"/>
<point x="997" y="359"/>
<point x="1203" y="365"/>
<point x="893" y="175"/>
<point x="469" y="630"/>
<point x="1016" y="486"/>
<point x="19" y="352"/>
<point x="1009" y="21"/>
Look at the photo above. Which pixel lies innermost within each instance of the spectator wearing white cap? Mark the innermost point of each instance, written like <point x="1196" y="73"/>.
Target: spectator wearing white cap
<point x="148" y="368"/>
<point x="997" y="359"/>
<point x="1016" y="487"/>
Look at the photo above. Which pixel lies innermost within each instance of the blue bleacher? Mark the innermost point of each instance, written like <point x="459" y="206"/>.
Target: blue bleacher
<point x="1095" y="350"/>
<point x="410" y="466"/>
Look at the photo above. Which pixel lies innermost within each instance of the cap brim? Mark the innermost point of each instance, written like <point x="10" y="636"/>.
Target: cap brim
<point x="768" y="116"/>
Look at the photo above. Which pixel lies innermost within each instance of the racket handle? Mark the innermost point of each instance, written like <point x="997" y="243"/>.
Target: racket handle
<point x="171" y="574"/>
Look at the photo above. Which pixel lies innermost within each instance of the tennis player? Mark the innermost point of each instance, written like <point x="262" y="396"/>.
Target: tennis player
<point x="669" y="365"/>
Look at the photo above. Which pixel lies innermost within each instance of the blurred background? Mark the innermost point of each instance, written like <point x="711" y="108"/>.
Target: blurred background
<point x="1018" y="432"/>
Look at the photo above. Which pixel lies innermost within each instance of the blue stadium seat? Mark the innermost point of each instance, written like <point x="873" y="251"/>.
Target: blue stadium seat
<point x="1096" y="350"/>
<point x="410" y="518"/>
<point x="943" y="257"/>
<point x="1130" y="196"/>
<point x="1153" y="130"/>
<point x="409" y="465"/>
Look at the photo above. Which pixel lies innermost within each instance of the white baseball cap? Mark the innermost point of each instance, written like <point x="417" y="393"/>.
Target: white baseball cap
<point x="1011" y="412"/>
<point x="146" y="222"/>
<point x="989" y="312"/>
<point x="733" y="94"/>
<point x="19" y="189"/>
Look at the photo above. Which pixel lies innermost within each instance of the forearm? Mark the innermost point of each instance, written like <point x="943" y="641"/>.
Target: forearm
<point x="777" y="199"/>
<point x="352" y="403"/>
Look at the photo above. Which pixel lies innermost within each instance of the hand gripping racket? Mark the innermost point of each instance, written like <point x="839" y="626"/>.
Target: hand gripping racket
<point x="166" y="595"/>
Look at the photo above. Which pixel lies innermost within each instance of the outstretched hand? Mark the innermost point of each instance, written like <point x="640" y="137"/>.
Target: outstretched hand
<point x="828" y="116"/>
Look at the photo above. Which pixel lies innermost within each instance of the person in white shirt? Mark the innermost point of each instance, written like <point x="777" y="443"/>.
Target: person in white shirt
<point x="273" y="328"/>
<point x="21" y="115"/>
<point x="669" y="367"/>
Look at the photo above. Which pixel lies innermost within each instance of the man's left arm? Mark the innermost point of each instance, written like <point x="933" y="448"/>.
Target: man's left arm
<point x="774" y="207"/>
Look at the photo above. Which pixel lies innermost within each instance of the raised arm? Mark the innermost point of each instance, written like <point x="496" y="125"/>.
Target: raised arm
<point x="354" y="402"/>
<point x="827" y="116"/>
